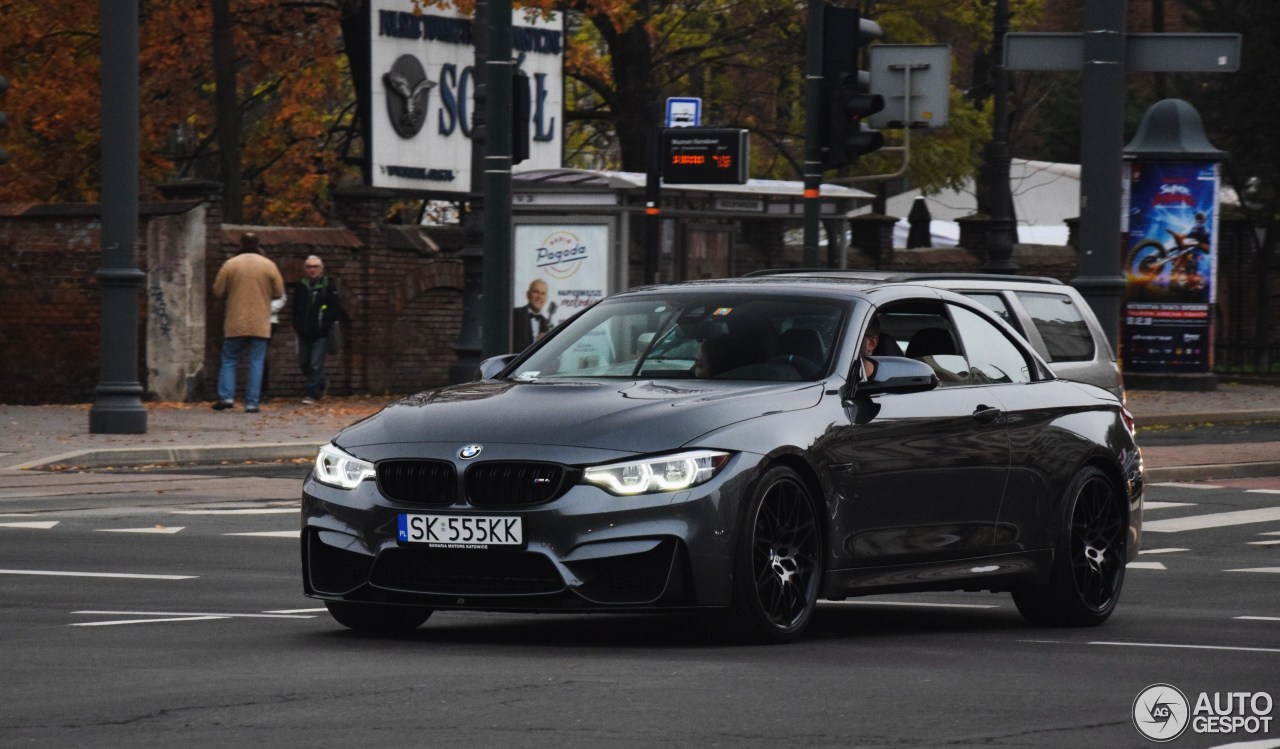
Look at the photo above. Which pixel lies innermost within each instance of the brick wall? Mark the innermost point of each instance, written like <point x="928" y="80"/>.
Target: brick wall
<point x="403" y="289"/>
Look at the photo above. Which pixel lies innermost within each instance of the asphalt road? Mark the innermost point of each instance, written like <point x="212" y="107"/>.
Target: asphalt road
<point x="201" y="637"/>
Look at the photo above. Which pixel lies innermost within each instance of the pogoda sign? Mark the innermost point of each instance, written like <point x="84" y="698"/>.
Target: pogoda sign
<point x="422" y="80"/>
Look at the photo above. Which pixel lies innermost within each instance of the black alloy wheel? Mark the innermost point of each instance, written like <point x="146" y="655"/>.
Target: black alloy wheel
<point x="779" y="563"/>
<point x="1088" y="568"/>
<point x="371" y="617"/>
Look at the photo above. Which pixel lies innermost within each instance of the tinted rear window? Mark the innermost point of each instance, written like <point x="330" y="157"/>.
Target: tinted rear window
<point x="1065" y="333"/>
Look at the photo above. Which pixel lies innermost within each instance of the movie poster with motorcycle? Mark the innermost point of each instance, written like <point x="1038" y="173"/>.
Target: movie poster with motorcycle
<point x="1170" y="261"/>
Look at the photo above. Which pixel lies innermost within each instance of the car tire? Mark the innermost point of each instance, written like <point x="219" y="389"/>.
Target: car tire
<point x="778" y="565"/>
<point x="1088" y="560"/>
<point x="370" y="617"/>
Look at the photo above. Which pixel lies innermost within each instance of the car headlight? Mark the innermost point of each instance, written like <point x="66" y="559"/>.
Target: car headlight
<point x="667" y="473"/>
<point x="337" y="467"/>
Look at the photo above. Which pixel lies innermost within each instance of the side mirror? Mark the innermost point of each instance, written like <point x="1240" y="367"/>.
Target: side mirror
<point x="897" y="374"/>
<point x="489" y="368"/>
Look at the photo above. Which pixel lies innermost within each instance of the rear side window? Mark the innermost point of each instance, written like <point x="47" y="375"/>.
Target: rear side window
<point x="1065" y="333"/>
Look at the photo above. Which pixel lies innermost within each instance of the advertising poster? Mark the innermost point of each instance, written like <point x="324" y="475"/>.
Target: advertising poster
<point x="422" y="62"/>
<point x="559" y="270"/>
<point x="1169" y="263"/>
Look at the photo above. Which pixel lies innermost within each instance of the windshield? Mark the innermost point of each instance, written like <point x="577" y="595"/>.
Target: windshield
<point x="722" y="336"/>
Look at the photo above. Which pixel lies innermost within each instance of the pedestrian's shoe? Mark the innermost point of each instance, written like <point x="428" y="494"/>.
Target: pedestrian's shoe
<point x="308" y="401"/>
<point x="223" y="405"/>
<point x="251" y="409"/>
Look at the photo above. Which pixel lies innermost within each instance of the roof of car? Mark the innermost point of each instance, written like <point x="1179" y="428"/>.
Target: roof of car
<point x="994" y="280"/>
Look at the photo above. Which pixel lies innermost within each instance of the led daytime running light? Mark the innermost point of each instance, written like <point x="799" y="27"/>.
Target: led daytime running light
<point x="668" y="473"/>
<point x="336" y="467"/>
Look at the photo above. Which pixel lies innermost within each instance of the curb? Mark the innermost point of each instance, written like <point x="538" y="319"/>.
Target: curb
<point x="135" y="456"/>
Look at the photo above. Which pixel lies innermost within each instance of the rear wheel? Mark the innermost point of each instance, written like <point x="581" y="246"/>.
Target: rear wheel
<point x="370" y="617"/>
<point x="778" y="563"/>
<point x="1088" y="563"/>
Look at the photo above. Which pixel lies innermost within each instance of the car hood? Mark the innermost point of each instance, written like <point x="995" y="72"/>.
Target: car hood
<point x="633" y="416"/>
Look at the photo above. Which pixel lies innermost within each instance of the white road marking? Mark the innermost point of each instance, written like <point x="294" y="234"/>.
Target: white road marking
<point x="913" y="603"/>
<point x="1162" y="645"/>
<point x="1259" y="744"/>
<point x="1165" y="505"/>
<point x="1185" y="485"/>
<point x="269" y="534"/>
<point x="1269" y="533"/>
<point x="1214" y="520"/>
<point x="148" y="621"/>
<point x="43" y="525"/>
<point x="1260" y="618"/>
<point x="320" y="610"/>
<point x="1272" y="570"/>
<point x="1263" y="491"/>
<point x="1162" y="551"/>
<point x="1146" y="566"/>
<point x="153" y="529"/>
<point x="216" y="614"/>
<point x="254" y="511"/>
<point x="1275" y="542"/>
<point x="125" y="575"/>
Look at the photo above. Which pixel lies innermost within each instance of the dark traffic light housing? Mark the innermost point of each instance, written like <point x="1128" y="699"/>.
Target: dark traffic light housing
<point x="521" y="112"/>
<point x="847" y="99"/>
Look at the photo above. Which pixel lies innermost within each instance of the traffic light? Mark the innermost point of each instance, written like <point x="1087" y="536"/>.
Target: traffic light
<point x="847" y="99"/>
<point x="4" y="118"/>
<point x="521" y="112"/>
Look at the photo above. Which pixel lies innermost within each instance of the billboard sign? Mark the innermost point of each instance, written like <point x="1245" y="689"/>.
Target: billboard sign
<point x="422" y="79"/>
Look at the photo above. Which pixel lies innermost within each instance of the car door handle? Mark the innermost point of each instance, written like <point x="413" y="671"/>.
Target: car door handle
<point x="986" y="414"/>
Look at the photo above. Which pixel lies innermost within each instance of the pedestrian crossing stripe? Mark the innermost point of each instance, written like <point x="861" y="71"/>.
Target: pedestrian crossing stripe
<point x="1165" y="505"/>
<point x="1214" y="520"/>
<point x="1271" y="570"/>
<point x="43" y="525"/>
<point x="1162" y="551"/>
<point x="1145" y="566"/>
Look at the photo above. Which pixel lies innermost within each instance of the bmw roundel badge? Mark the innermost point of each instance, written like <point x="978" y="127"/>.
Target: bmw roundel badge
<point x="469" y="452"/>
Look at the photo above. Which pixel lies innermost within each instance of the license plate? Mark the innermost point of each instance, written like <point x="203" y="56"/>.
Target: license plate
<point x="462" y="531"/>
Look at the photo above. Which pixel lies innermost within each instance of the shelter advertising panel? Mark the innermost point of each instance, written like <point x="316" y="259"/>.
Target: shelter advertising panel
<point x="422" y="79"/>
<point x="558" y="271"/>
<point x="1170" y="264"/>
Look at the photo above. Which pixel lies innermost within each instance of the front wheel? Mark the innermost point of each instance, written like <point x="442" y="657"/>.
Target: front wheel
<point x="1088" y="562"/>
<point x="778" y="564"/>
<point x="371" y="617"/>
<point x="1146" y="261"/>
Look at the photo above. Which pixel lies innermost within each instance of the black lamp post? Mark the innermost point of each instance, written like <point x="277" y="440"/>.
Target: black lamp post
<point x="117" y="400"/>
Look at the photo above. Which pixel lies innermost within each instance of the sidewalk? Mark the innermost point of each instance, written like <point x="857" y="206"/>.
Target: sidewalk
<point x="45" y="438"/>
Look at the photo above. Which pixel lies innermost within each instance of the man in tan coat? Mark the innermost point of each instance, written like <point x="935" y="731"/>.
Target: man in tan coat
<point x="248" y="281"/>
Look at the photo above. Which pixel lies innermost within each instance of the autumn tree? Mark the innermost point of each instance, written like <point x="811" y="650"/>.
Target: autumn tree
<point x="294" y="97"/>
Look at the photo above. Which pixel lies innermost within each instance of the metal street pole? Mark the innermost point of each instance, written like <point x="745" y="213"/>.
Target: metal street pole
<point x="496" y="330"/>
<point x="812" y="202"/>
<point x="468" y="346"/>
<point x="1101" y="161"/>
<point x="1000" y="236"/>
<point x="117" y="400"/>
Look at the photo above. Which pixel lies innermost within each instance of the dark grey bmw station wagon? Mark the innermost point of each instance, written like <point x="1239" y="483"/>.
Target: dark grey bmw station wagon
<point x="739" y="447"/>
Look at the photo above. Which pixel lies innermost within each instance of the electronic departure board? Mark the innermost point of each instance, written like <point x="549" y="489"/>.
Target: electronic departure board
<point x="704" y="156"/>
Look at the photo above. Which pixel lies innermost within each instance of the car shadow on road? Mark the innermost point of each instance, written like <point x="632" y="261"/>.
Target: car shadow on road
<point x="682" y="630"/>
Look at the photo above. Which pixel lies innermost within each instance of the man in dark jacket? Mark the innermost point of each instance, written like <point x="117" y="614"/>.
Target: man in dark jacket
<point x="316" y="307"/>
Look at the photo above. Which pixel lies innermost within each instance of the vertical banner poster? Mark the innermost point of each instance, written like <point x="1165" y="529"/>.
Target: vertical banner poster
<point x="1170" y="266"/>
<point x="559" y="270"/>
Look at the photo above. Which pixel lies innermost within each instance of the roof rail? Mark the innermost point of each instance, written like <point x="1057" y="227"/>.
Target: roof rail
<point x="898" y="277"/>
